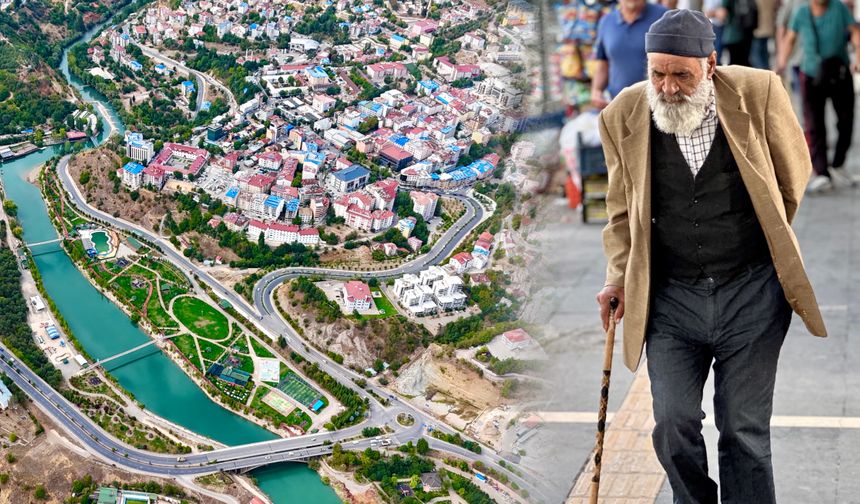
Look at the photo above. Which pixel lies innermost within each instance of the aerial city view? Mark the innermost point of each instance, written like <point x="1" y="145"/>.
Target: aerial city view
<point x="268" y="252"/>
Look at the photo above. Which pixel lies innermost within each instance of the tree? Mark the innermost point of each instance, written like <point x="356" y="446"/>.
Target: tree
<point x="84" y="178"/>
<point x="423" y="446"/>
<point x="40" y="492"/>
<point x="10" y="208"/>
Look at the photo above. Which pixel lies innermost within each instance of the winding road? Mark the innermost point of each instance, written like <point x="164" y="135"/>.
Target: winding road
<point x="265" y="316"/>
<point x="202" y="79"/>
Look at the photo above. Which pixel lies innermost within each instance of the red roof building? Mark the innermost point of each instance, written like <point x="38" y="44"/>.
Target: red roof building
<point x="356" y="296"/>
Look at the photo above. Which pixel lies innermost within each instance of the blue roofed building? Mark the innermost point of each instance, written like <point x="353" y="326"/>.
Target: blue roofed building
<point x="5" y="395"/>
<point x="317" y="77"/>
<point x="187" y="88"/>
<point x="231" y="195"/>
<point x="397" y="41"/>
<point x="132" y="175"/>
<point x="273" y="207"/>
<point x="427" y="87"/>
<point x="135" y="66"/>
<point x="348" y="180"/>
<point x="161" y="69"/>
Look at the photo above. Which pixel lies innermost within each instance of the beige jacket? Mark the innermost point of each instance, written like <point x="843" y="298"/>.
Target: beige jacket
<point x="769" y="147"/>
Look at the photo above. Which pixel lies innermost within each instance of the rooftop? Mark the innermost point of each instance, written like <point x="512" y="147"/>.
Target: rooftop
<point x="354" y="172"/>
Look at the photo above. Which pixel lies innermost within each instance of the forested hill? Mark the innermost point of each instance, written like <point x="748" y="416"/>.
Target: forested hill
<point x="32" y="36"/>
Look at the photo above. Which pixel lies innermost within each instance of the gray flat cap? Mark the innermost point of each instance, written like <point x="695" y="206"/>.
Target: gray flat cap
<point x="681" y="32"/>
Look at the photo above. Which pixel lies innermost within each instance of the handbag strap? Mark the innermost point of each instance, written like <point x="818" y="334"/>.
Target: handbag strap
<point x="814" y="33"/>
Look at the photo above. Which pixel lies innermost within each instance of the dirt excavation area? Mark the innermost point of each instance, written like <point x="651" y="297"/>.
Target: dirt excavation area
<point x="455" y="391"/>
<point x="97" y="186"/>
<point x="37" y="454"/>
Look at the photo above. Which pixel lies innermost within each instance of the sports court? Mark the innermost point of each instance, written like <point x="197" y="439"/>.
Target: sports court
<point x="278" y="403"/>
<point x="296" y="388"/>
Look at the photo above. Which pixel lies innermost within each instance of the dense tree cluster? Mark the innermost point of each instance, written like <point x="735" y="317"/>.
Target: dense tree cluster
<point x="456" y="439"/>
<point x="224" y="67"/>
<point x="327" y="310"/>
<point x="468" y="490"/>
<point x="354" y="404"/>
<point x="14" y="329"/>
<point x="325" y="24"/>
<point x="252" y="254"/>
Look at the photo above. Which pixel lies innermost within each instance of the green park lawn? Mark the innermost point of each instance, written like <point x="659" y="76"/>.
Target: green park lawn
<point x="167" y="271"/>
<point x="260" y="350"/>
<point x="138" y="271"/>
<point x="201" y="318"/>
<point x="210" y="351"/>
<point x="157" y="315"/>
<point x="185" y="343"/>
<point x="240" y="343"/>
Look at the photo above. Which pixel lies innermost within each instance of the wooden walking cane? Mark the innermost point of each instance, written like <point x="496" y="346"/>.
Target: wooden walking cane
<point x="604" y="400"/>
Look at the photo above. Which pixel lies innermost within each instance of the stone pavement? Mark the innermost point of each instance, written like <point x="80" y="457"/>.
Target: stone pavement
<point x="631" y="473"/>
<point x="816" y="426"/>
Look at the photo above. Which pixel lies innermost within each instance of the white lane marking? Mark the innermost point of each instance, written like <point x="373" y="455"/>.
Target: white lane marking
<point x="784" y="421"/>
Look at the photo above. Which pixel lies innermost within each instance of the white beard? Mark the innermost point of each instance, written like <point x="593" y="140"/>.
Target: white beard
<point x="682" y="114"/>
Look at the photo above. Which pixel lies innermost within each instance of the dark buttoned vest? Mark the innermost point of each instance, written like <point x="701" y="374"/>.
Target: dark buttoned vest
<point x="703" y="226"/>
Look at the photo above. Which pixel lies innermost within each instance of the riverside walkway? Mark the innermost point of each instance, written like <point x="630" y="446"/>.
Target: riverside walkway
<point x="816" y="423"/>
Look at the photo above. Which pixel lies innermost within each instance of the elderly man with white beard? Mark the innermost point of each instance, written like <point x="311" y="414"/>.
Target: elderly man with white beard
<point x="707" y="166"/>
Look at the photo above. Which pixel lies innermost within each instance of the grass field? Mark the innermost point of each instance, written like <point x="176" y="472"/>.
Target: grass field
<point x="240" y="343"/>
<point x="272" y="406"/>
<point x="211" y="351"/>
<point x="260" y="350"/>
<point x="201" y="318"/>
<point x="247" y="364"/>
<point x="296" y="388"/>
<point x="382" y="304"/>
<point x="167" y="272"/>
<point x="157" y="315"/>
<point x="137" y="271"/>
<point x="185" y="343"/>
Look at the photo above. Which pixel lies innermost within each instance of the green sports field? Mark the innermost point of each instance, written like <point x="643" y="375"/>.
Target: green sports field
<point x="296" y="388"/>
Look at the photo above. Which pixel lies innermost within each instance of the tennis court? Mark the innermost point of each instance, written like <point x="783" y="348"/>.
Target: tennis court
<point x="278" y="403"/>
<point x="296" y="388"/>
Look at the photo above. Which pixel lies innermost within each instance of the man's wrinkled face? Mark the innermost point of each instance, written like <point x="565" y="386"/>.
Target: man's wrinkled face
<point x="673" y="75"/>
<point x="679" y="91"/>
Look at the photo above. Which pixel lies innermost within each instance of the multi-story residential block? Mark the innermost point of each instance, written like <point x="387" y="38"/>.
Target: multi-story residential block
<point x="154" y="176"/>
<point x="323" y="103"/>
<point x="424" y="203"/>
<point x="406" y="225"/>
<point x="431" y="290"/>
<point x="137" y="148"/>
<point x="277" y="233"/>
<point x="270" y="160"/>
<point x="461" y="262"/>
<point x="351" y="179"/>
<point x="132" y="175"/>
<point x="379" y="71"/>
<point x="452" y="71"/>
<point x="356" y="296"/>
<point x="415" y="243"/>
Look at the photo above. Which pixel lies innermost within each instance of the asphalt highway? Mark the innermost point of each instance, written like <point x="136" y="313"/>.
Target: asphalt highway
<point x="270" y="322"/>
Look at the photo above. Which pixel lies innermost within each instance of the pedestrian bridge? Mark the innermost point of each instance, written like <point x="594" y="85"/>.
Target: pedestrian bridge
<point x="45" y="242"/>
<point x="101" y="362"/>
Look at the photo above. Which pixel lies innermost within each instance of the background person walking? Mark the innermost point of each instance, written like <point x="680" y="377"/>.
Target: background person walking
<point x="825" y="73"/>
<point x="620" y="52"/>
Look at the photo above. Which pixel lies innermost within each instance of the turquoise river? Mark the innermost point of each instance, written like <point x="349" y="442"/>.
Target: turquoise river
<point x="104" y="330"/>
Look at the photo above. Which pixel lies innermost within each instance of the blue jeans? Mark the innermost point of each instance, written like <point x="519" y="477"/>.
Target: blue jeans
<point x="718" y="42"/>
<point x="738" y="325"/>
<point x="759" y="54"/>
